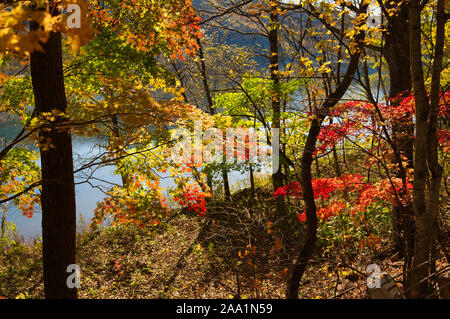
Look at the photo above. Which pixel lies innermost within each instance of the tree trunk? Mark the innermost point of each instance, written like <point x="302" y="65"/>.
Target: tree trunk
<point x="300" y="263"/>
<point x="58" y="189"/>
<point x="396" y="54"/>
<point x="422" y="242"/>
<point x="337" y="167"/>
<point x="252" y="179"/>
<point x="116" y="135"/>
<point x="226" y="184"/>
<point x="3" y="227"/>
<point x="432" y="155"/>
<point x="277" y="177"/>
<point x="425" y="207"/>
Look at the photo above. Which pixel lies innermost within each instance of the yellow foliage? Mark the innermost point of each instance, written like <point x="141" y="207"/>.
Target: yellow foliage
<point x="15" y="36"/>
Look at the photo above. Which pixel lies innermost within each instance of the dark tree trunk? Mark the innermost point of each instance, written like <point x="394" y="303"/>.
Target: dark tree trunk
<point x="301" y="261"/>
<point x="396" y="51"/>
<point x="337" y="167"/>
<point x="277" y="177"/>
<point x="396" y="54"/>
<point x="204" y="78"/>
<point x="226" y="184"/>
<point x="116" y="135"/>
<point x="425" y="160"/>
<point x="252" y="179"/>
<point x="435" y="168"/>
<point x="3" y="227"/>
<point x="58" y="189"/>
<point x="421" y="249"/>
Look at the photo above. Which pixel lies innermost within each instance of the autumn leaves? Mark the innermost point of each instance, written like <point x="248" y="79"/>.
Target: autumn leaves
<point x="18" y="34"/>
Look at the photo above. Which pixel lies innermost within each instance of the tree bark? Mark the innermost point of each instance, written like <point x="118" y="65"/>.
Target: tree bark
<point x="435" y="168"/>
<point x="396" y="54"/>
<point x="300" y="263"/>
<point x="252" y="179"/>
<point x="277" y="177"/>
<point x="425" y="209"/>
<point x="58" y="188"/>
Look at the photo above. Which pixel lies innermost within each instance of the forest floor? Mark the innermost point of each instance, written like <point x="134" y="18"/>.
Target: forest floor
<point x="194" y="257"/>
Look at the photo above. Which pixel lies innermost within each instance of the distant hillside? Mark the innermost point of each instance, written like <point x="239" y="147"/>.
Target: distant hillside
<point x="233" y="38"/>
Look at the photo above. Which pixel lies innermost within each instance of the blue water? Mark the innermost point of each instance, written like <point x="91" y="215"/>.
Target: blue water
<point x="86" y="195"/>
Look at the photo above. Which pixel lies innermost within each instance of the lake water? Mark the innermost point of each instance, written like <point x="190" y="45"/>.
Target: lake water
<point x="86" y="195"/>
